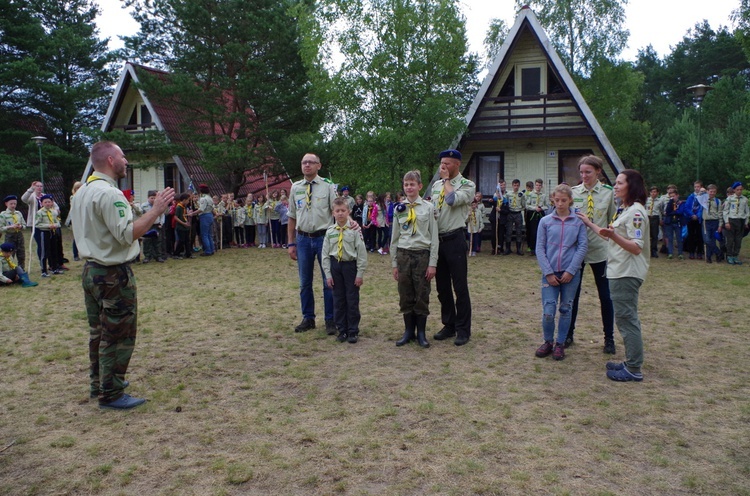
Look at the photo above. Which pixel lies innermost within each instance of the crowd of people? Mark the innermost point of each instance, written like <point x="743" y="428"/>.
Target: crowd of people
<point x="613" y="229"/>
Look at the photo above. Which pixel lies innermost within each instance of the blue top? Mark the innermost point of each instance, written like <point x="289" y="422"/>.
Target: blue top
<point x="561" y="244"/>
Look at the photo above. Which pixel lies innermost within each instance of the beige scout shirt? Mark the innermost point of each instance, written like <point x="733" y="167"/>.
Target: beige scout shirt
<point x="9" y="219"/>
<point x="604" y="210"/>
<point x="534" y="199"/>
<point x="632" y="224"/>
<point x="317" y="216"/>
<point x="516" y="200"/>
<point x="47" y="219"/>
<point x="353" y="249"/>
<point x="424" y="237"/>
<point x="655" y="207"/>
<point x="103" y="222"/>
<point x="205" y="204"/>
<point x="735" y="208"/>
<point x="712" y="211"/>
<point x="454" y="211"/>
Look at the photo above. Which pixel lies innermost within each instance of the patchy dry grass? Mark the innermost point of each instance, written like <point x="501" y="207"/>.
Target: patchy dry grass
<point x="240" y="404"/>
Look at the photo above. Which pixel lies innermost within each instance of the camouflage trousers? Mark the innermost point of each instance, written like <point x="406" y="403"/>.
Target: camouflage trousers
<point x="111" y="310"/>
<point x="413" y="287"/>
<point x="17" y="239"/>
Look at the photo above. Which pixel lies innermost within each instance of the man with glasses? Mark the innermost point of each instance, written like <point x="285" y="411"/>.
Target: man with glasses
<point x="310" y="214"/>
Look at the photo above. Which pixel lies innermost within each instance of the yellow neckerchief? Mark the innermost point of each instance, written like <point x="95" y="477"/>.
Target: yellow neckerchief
<point x="441" y="196"/>
<point x="15" y="219"/>
<point x="651" y="208"/>
<point x="50" y="217"/>
<point x="308" y="197"/>
<point x="411" y="217"/>
<point x="340" y="242"/>
<point x="10" y="262"/>
<point x="92" y="178"/>
<point x="590" y="206"/>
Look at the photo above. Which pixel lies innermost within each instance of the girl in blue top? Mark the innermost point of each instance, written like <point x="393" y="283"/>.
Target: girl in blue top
<point x="561" y="245"/>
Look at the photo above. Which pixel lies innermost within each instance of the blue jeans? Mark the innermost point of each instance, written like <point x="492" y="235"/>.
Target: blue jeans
<point x="709" y="231"/>
<point x="308" y="249"/>
<point x="671" y="232"/>
<point x="566" y="293"/>
<point x="207" y="239"/>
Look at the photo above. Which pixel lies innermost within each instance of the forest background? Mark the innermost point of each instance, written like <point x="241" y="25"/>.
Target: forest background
<point x="376" y="87"/>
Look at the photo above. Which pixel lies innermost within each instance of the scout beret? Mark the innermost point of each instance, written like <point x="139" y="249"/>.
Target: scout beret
<point x="450" y="154"/>
<point x="7" y="247"/>
<point x="9" y="198"/>
<point x="736" y="184"/>
<point x="47" y="197"/>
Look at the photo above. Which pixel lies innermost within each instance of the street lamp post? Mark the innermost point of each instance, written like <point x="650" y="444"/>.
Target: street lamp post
<point x="699" y="92"/>
<point x="39" y="140"/>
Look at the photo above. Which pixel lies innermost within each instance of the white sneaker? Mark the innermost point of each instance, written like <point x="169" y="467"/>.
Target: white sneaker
<point x="380" y="250"/>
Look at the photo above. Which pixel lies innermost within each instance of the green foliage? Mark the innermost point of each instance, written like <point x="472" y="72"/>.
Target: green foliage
<point x="741" y="18"/>
<point x="493" y="41"/>
<point x="583" y="31"/>
<point x="398" y="91"/>
<point x="235" y="69"/>
<point x="612" y="92"/>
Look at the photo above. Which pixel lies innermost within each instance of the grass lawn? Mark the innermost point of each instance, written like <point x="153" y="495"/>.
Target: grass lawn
<point x="240" y="404"/>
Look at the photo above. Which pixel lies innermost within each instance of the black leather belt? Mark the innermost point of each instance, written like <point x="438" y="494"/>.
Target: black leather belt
<point x="315" y="234"/>
<point x="450" y="234"/>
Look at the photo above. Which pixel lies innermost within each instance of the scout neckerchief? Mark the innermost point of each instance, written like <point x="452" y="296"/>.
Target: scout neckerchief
<point x="340" y="243"/>
<point x="51" y="219"/>
<point x="308" y="197"/>
<point x="15" y="219"/>
<point x="411" y="217"/>
<point x="651" y="207"/>
<point x="441" y="196"/>
<point x="737" y="206"/>
<point x="10" y="262"/>
<point x="614" y="217"/>
<point x="590" y="206"/>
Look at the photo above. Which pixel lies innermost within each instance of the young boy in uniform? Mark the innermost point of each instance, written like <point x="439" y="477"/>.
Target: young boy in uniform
<point x="414" y="257"/>
<point x="736" y="217"/>
<point x="344" y="260"/>
<point x="517" y="203"/>
<point x="48" y="224"/>
<point x="11" y="270"/>
<point x="153" y="239"/>
<point x="12" y="224"/>
<point x="712" y="224"/>
<point x="475" y="224"/>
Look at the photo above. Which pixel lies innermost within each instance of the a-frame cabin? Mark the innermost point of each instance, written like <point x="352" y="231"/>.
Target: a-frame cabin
<point x="529" y="120"/>
<point x="133" y="111"/>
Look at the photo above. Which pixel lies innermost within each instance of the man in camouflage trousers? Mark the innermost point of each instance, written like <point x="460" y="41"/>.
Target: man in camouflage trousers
<point x="107" y="239"/>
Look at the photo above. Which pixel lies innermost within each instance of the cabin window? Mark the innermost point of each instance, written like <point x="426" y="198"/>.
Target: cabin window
<point x="145" y="115"/>
<point x="531" y="81"/>
<point x="568" y="165"/>
<point x="171" y="177"/>
<point x="486" y="168"/>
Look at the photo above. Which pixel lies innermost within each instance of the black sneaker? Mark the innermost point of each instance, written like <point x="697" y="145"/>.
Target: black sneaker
<point x="352" y="338"/>
<point x="305" y="325"/>
<point x="330" y="327"/>
<point x="444" y="333"/>
<point x="341" y="337"/>
<point x="569" y="341"/>
<point x="609" y="347"/>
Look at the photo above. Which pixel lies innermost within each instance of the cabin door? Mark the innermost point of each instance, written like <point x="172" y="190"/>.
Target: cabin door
<point x="530" y="167"/>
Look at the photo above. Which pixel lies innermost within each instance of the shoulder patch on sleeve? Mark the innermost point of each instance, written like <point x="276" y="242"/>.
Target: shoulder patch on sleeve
<point x="326" y="180"/>
<point x="121" y="204"/>
<point x="608" y="186"/>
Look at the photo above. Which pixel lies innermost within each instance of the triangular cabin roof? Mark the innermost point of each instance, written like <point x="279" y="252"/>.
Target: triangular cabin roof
<point x="167" y="118"/>
<point x="559" y="122"/>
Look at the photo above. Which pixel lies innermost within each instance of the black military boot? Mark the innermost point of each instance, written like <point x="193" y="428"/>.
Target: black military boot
<point x="518" y="249"/>
<point x="409" y="324"/>
<point x="421" y="329"/>
<point x="507" y="249"/>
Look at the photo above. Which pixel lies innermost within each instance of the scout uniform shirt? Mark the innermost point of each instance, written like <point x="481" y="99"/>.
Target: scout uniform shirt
<point x="630" y="223"/>
<point x="8" y="219"/>
<point x="205" y="204"/>
<point x="452" y="210"/>
<point x="415" y="231"/>
<point x="599" y="206"/>
<point x="534" y="199"/>
<point x="735" y="208"/>
<point x="350" y="247"/>
<point x="103" y="222"/>
<point x="7" y="265"/>
<point x="516" y="201"/>
<point x="311" y="204"/>
<point x="47" y="219"/>
<point x="655" y="207"/>
<point x="259" y="214"/>
<point x="712" y="210"/>
<point x="475" y="222"/>
<point x="271" y="207"/>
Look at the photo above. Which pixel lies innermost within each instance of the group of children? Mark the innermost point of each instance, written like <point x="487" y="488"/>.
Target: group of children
<point x="701" y="225"/>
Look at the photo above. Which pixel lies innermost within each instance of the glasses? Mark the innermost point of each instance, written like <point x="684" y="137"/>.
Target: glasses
<point x="310" y="162"/>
